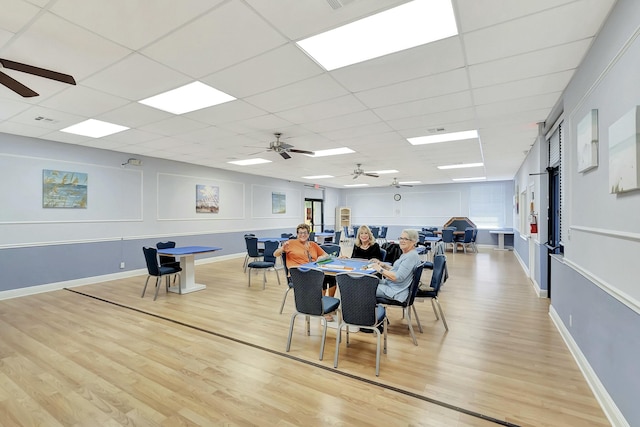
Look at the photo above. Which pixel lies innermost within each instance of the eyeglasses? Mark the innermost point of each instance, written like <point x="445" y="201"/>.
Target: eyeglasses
<point x="404" y="239"/>
<point x="302" y="233"/>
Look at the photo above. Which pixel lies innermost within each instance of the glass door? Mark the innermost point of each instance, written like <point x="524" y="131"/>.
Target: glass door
<point x="314" y="214"/>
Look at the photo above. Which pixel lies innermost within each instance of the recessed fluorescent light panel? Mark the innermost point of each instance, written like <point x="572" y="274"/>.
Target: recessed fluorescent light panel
<point x="249" y="162"/>
<point x="384" y="171"/>
<point x="412" y="24"/>
<point x="191" y="97"/>
<point x="356" y="185"/>
<point x="94" y="128"/>
<point x="318" y="177"/>
<point x="477" y="178"/>
<point x="443" y="137"/>
<point x="462" y="166"/>
<point x="332" y="152"/>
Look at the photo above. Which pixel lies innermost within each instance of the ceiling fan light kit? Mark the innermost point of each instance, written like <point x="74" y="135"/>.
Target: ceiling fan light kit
<point x="284" y="149"/>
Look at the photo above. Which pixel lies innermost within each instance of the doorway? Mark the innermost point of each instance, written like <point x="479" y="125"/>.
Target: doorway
<point x="314" y="214"/>
<point x="553" y="222"/>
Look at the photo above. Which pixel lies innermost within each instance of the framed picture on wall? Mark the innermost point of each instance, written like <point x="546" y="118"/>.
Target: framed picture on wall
<point x="624" y="146"/>
<point x="278" y="203"/>
<point x="62" y="189"/>
<point x="587" y="141"/>
<point x="207" y="199"/>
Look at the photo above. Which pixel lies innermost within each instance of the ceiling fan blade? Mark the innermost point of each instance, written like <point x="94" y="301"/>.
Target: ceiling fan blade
<point x="16" y="86"/>
<point x="356" y="175"/>
<point x="284" y="155"/>
<point x="293" y="150"/>
<point x="257" y="152"/>
<point x="37" y="71"/>
<point x="285" y="146"/>
<point x="372" y="175"/>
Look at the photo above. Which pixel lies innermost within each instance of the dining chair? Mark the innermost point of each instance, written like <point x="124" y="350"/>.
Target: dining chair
<point x="252" y="250"/>
<point x="407" y="305"/>
<point x="382" y="236"/>
<point x="158" y="271"/>
<point x="383" y="254"/>
<point x="331" y="249"/>
<point x="307" y="289"/>
<point x="268" y="262"/>
<point x="467" y="239"/>
<point x="473" y="239"/>
<point x="337" y="236"/>
<point x="167" y="260"/>
<point x="447" y="238"/>
<point x="347" y="235"/>
<point x="360" y="309"/>
<point x="437" y="279"/>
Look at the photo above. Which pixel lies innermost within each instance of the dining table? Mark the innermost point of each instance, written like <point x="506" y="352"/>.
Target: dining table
<point x="334" y="266"/>
<point x="187" y="255"/>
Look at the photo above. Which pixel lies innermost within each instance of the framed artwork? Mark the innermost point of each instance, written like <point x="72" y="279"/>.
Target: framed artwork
<point x="62" y="189"/>
<point x="278" y="203"/>
<point x="624" y="153"/>
<point x="587" y="141"/>
<point x="207" y="199"/>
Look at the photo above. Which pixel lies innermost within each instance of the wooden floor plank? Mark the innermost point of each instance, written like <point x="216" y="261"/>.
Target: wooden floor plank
<point x="101" y="355"/>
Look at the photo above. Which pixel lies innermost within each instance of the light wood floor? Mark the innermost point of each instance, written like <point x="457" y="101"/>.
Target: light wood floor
<point x="100" y="355"/>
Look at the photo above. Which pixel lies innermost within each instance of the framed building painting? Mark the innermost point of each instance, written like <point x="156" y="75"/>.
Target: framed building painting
<point x="62" y="189"/>
<point x="207" y="199"/>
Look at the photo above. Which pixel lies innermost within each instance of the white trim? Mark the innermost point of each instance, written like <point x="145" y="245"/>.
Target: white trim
<point x="606" y="232"/>
<point x="604" y="399"/>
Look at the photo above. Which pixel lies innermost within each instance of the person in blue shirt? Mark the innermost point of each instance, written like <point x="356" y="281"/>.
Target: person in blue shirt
<point x="396" y="279"/>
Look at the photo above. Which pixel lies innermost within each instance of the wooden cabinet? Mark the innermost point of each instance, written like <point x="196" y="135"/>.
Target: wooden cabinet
<point x="343" y="218"/>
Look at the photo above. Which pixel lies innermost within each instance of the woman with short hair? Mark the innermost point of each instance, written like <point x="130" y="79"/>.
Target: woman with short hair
<point x="396" y="280"/>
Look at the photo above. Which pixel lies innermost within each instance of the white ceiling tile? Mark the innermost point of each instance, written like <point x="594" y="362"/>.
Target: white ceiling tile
<point x="84" y="101"/>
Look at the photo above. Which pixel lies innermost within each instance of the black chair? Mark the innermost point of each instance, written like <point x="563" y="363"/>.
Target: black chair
<point x="382" y="236"/>
<point x="331" y="249"/>
<point x="252" y="250"/>
<point x="359" y="308"/>
<point x="447" y="238"/>
<point x="156" y="270"/>
<point x="473" y="240"/>
<point x="166" y="260"/>
<point x="437" y="279"/>
<point x="407" y="305"/>
<point x="308" y="286"/>
<point x="312" y="236"/>
<point x="467" y="240"/>
<point x="268" y="262"/>
<point x="383" y="254"/>
<point x="375" y="231"/>
<point x="337" y="236"/>
<point x="286" y="235"/>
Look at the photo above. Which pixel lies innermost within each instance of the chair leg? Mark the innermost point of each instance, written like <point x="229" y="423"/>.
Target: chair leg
<point x="444" y="320"/>
<point x="264" y="279"/>
<point x="323" y="322"/>
<point x="158" y="281"/>
<point x="435" y="311"/>
<point x="377" y="352"/>
<point x="413" y="335"/>
<point x="417" y="318"/>
<point x="145" y="286"/>
<point x="338" y="339"/>
<point x="284" y="299"/>
<point x="292" y="322"/>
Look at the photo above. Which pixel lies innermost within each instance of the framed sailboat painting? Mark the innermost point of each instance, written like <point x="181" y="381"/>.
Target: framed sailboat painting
<point x="62" y="189"/>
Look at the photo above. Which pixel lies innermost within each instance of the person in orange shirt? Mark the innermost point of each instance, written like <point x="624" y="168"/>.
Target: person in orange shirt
<point x="301" y="251"/>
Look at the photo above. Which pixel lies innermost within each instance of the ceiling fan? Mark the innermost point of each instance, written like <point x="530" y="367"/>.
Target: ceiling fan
<point x="284" y="149"/>
<point x="21" y="89"/>
<point x="396" y="183"/>
<point x="359" y="171"/>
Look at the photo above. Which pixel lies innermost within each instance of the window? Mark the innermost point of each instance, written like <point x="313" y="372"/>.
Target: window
<point x="488" y="205"/>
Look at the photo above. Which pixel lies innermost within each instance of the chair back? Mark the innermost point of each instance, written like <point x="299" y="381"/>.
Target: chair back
<point x="307" y="289"/>
<point x="475" y="235"/>
<point x="439" y="264"/>
<point x="358" y="298"/>
<point x="151" y="257"/>
<point x="383" y="254"/>
<point x="166" y="259"/>
<point x="286" y="235"/>
<point x="383" y="232"/>
<point x="337" y="236"/>
<point x="468" y="235"/>
<point x="447" y="235"/>
<point x="415" y="284"/>
<point x="270" y="247"/>
<point x="312" y="236"/>
<point x="331" y="249"/>
<point x="284" y="264"/>
<point x="375" y="231"/>
<point x="252" y="246"/>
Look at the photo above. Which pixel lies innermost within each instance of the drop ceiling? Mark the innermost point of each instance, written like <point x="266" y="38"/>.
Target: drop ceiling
<point x="502" y="74"/>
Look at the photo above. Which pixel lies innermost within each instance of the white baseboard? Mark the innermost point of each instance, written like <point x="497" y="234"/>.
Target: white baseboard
<point x="48" y="287"/>
<point x="606" y="402"/>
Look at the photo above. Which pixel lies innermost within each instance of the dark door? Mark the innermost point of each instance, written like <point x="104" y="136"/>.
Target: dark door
<point x="553" y="221"/>
<point x="314" y="214"/>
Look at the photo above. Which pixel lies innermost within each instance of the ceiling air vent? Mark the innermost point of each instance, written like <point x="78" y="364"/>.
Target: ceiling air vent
<point x="337" y="4"/>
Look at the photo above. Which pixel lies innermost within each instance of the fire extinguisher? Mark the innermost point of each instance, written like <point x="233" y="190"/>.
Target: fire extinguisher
<point x="534" y="223"/>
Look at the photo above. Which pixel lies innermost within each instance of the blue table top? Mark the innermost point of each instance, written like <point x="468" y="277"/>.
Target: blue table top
<point x="187" y="250"/>
<point x="342" y="265"/>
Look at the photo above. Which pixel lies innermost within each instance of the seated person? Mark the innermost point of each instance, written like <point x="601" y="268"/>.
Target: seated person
<point x="301" y="251"/>
<point x="365" y="246"/>
<point x="396" y="280"/>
